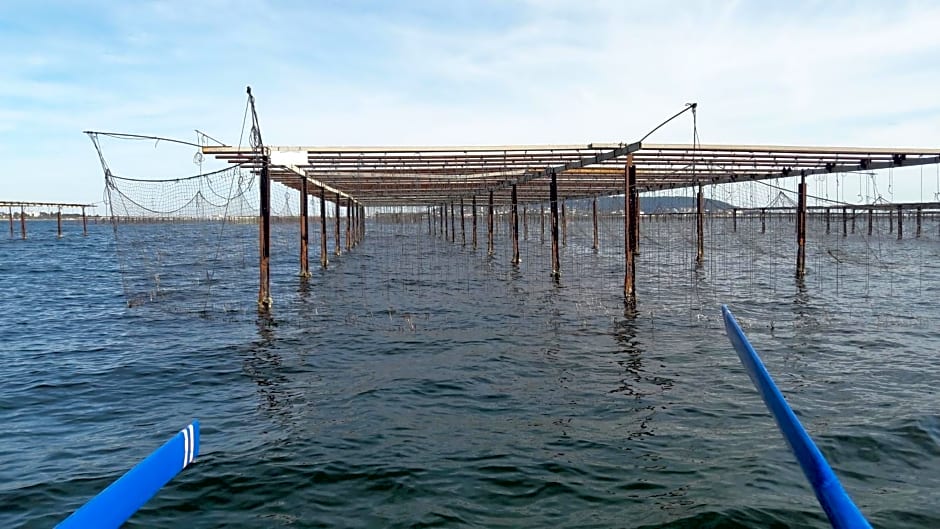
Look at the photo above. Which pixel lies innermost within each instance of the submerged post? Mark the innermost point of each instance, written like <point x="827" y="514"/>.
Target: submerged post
<point x="489" y="227"/>
<point x="473" y="208"/>
<point x="23" y="222"/>
<point x="629" y="277"/>
<point x="918" y="221"/>
<point x="801" y="230"/>
<point x="734" y="220"/>
<point x="594" y="214"/>
<point x="429" y="220"/>
<point x="463" y="227"/>
<point x="304" y="237"/>
<point x="58" y="218"/>
<point x="443" y="223"/>
<point x="336" y="241"/>
<point x="763" y="220"/>
<point x="700" y="226"/>
<point x="845" y="222"/>
<point x="827" y="221"/>
<point x="542" y="222"/>
<point x="564" y="224"/>
<point x="11" y="220"/>
<point x="553" y="207"/>
<point x="525" y="222"/>
<point x="452" y="230"/>
<point x="84" y="223"/>
<point x="900" y="222"/>
<point x="264" y="185"/>
<point x="854" y="214"/>
<point x="514" y="219"/>
<point x="348" y="223"/>
<point x="324" y="261"/>
<point x="871" y="213"/>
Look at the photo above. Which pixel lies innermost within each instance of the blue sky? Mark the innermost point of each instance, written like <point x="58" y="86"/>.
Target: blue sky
<point x="477" y="72"/>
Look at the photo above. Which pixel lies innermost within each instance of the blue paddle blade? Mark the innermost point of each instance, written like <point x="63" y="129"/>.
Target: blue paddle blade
<point x="842" y="513"/>
<point x="115" y="504"/>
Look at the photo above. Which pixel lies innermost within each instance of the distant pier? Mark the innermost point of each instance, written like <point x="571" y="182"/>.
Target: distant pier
<point x="10" y="206"/>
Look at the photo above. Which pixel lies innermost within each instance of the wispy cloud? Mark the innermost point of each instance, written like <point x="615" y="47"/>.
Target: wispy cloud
<point x="457" y="72"/>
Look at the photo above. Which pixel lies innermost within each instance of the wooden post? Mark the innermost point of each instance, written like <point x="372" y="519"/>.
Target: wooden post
<point x="84" y="223"/>
<point x="304" y="237"/>
<point x="473" y="207"/>
<point x="564" y="224"/>
<point x="700" y="226"/>
<point x="845" y="222"/>
<point x="264" y="236"/>
<point x="463" y="226"/>
<point x="629" y="278"/>
<point x="734" y="220"/>
<point x="348" y="223"/>
<point x="553" y="207"/>
<point x="453" y="231"/>
<point x="489" y="227"/>
<point x="801" y="236"/>
<point x="918" y="221"/>
<point x="594" y="214"/>
<point x="58" y="218"/>
<point x="23" y="223"/>
<point x="827" y="221"/>
<point x="11" y="220"/>
<point x="324" y="261"/>
<point x="336" y="241"/>
<point x="900" y="223"/>
<point x="871" y="214"/>
<point x="890" y="221"/>
<point x="514" y="219"/>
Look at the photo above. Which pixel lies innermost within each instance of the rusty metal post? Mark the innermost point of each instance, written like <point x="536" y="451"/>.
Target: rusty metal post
<point x="489" y="227"/>
<point x="890" y="221"/>
<point x="900" y="222"/>
<point x="324" y="260"/>
<point x="514" y="219"/>
<point x="734" y="220"/>
<point x="429" y="220"/>
<point x="629" y="277"/>
<point x="845" y="222"/>
<point x="594" y="215"/>
<point x="304" y="237"/>
<point x="23" y="222"/>
<point x="854" y="214"/>
<point x="11" y="220"/>
<point x="348" y="223"/>
<point x="763" y="220"/>
<point x="473" y="208"/>
<point x="801" y="236"/>
<point x="828" y="210"/>
<point x="918" y="221"/>
<point x="871" y="214"/>
<point x="84" y="223"/>
<point x="336" y="241"/>
<point x="463" y="226"/>
<point x="264" y="237"/>
<point x="442" y="223"/>
<point x="700" y="226"/>
<point x="564" y="224"/>
<point x="553" y="207"/>
<point x="453" y="231"/>
<point x="58" y="218"/>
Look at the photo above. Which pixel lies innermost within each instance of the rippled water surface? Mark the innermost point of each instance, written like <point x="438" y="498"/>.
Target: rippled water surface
<point x="417" y="383"/>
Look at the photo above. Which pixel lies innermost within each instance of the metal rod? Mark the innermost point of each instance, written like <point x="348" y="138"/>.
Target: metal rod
<point x="264" y="235"/>
<point x="514" y="214"/>
<point x="871" y="214"/>
<point x="594" y="216"/>
<point x="489" y="226"/>
<point x="304" y="235"/>
<point x="801" y="230"/>
<point x="553" y="207"/>
<point x="629" y="276"/>
<point x="324" y="260"/>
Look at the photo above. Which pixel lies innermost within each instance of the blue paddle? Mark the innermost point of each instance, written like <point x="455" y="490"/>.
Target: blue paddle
<point x="842" y="513"/>
<point x="115" y="504"/>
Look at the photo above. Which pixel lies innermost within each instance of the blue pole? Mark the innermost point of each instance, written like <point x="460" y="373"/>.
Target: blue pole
<point x="115" y="504"/>
<point x="842" y="513"/>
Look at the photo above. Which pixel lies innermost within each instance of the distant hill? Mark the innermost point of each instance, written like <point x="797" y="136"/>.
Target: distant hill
<point x="650" y="204"/>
